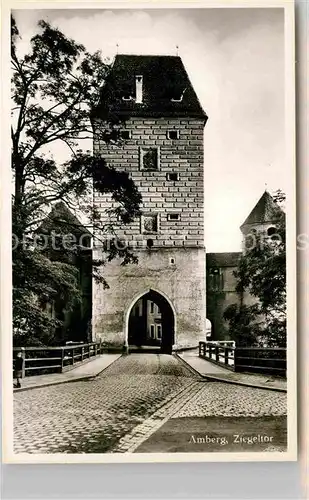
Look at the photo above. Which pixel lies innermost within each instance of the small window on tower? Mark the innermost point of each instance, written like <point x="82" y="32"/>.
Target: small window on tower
<point x="173" y="134"/>
<point x="149" y="158"/>
<point x="173" y="217"/>
<point x="172" y="176"/>
<point x="271" y="231"/>
<point x="149" y="223"/>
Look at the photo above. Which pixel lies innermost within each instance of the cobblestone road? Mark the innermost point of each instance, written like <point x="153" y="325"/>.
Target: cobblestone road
<point x="226" y="400"/>
<point x="121" y="407"/>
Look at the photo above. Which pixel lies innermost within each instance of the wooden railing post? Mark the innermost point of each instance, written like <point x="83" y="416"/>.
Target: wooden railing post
<point x="82" y="354"/>
<point x="226" y="355"/>
<point x="100" y="348"/>
<point x="95" y="350"/>
<point x="217" y="353"/>
<point x="235" y="360"/>
<point x="73" y="356"/>
<point x="202" y="349"/>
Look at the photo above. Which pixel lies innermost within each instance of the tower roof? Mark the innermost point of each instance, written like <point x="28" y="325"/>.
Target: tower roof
<point x="266" y="210"/>
<point x="167" y="89"/>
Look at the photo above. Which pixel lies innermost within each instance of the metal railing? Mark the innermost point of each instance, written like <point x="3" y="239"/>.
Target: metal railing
<point x="268" y="360"/>
<point x="42" y="360"/>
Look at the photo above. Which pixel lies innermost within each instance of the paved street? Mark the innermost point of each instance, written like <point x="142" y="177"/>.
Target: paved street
<point x="129" y="402"/>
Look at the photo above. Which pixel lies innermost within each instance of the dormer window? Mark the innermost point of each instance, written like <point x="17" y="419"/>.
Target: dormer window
<point x="133" y="94"/>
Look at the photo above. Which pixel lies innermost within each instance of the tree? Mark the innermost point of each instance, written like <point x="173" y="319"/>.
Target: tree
<point x="54" y="90"/>
<point x="262" y="273"/>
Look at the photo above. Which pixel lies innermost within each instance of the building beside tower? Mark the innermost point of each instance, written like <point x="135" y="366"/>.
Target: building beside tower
<point x="162" y="150"/>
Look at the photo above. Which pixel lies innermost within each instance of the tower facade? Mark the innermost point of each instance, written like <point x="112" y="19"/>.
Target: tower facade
<point x="162" y="150"/>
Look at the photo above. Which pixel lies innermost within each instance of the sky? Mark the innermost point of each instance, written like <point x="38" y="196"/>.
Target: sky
<point x="235" y="60"/>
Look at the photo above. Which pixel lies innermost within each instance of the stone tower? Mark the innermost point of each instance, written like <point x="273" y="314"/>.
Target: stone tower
<point x="161" y="301"/>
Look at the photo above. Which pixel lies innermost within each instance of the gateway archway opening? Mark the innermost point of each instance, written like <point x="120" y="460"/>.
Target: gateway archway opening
<point x="152" y="323"/>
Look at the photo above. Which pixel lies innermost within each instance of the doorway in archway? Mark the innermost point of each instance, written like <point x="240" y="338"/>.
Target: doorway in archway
<point x="152" y="323"/>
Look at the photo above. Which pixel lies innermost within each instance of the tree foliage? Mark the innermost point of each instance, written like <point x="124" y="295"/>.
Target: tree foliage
<point x="54" y="89"/>
<point x="261" y="273"/>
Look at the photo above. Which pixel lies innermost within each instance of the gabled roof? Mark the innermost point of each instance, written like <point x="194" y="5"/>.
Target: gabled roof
<point x="164" y="79"/>
<point x="266" y="210"/>
<point x="222" y="259"/>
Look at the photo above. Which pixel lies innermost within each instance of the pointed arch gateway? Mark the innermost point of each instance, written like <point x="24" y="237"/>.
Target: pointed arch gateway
<point x="151" y="323"/>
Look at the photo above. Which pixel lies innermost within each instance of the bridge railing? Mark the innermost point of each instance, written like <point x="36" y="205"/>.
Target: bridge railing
<point x="268" y="360"/>
<point x="42" y="360"/>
